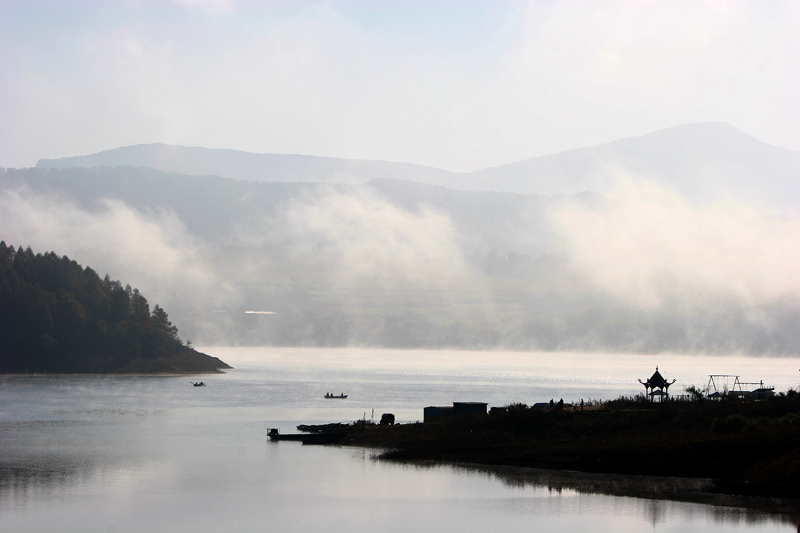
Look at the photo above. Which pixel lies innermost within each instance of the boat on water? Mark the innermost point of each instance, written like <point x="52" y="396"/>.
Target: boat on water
<point x="323" y="428"/>
<point x="199" y="384"/>
<point x="330" y="396"/>
<point x="327" y="437"/>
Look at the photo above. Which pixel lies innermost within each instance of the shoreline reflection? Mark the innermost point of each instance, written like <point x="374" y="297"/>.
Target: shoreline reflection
<point x="660" y="496"/>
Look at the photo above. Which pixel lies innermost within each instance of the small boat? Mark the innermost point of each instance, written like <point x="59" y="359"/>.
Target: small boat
<point x="199" y="384"/>
<point x="275" y="434"/>
<point x="332" y="437"/>
<point x="342" y="396"/>
<point x="323" y="428"/>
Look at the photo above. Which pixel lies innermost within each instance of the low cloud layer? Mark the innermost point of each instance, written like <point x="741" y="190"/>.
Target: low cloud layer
<point x="150" y="251"/>
<point x="367" y="241"/>
<point x="642" y="270"/>
<point x="647" y="243"/>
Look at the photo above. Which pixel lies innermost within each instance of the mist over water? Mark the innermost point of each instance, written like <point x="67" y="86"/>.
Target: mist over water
<point x="93" y="453"/>
<point x="403" y="265"/>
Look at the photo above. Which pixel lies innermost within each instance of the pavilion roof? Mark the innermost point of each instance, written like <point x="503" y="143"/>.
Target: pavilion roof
<point x="657" y="381"/>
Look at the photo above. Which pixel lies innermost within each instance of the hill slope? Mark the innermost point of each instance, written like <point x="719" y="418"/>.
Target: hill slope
<point x="57" y="317"/>
<point x="696" y="160"/>
<point x="249" y="166"/>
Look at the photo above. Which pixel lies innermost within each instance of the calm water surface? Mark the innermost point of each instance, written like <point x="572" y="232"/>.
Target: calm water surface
<point x="81" y="453"/>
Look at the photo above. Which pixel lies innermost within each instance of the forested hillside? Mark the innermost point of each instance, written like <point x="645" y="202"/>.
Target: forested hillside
<point x="56" y="316"/>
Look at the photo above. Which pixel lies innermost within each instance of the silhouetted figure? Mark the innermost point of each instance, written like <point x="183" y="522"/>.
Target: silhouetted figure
<point x="581" y="404"/>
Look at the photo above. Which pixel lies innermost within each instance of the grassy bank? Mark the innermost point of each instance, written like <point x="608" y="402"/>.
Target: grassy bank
<point x="747" y="448"/>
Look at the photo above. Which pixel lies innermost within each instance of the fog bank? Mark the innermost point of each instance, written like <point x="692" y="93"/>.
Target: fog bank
<point x="398" y="264"/>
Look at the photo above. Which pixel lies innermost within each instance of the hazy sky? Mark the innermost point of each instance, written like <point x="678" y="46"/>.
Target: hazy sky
<point x="460" y="85"/>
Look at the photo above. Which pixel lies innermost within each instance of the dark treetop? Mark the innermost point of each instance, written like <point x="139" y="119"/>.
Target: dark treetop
<point x="58" y="317"/>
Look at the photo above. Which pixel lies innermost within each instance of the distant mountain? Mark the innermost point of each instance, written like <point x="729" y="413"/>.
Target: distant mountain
<point x="250" y="166"/>
<point x="699" y="161"/>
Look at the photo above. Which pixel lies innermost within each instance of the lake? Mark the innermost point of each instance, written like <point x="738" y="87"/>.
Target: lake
<point x="133" y="453"/>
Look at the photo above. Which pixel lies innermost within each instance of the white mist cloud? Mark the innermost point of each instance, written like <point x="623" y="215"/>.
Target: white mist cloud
<point x="151" y="251"/>
<point x="365" y="241"/>
<point x="647" y="243"/>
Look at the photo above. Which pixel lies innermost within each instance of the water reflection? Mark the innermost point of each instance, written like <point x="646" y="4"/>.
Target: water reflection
<point x="39" y="474"/>
<point x="659" y="497"/>
<point x="35" y="478"/>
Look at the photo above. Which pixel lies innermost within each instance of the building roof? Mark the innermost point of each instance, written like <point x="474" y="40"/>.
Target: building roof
<point x="656" y="381"/>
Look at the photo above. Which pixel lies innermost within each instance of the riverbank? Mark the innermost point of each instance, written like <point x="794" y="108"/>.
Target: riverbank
<point x="744" y="448"/>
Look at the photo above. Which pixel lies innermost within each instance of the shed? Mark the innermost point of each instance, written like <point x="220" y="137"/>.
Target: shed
<point x="469" y="408"/>
<point x="433" y="413"/>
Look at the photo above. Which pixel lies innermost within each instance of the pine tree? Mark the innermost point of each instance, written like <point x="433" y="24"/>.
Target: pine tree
<point x="159" y="321"/>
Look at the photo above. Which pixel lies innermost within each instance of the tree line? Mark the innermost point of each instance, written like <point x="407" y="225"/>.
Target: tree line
<point x="57" y="316"/>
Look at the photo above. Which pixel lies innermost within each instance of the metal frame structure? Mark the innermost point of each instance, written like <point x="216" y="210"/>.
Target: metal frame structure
<point x="736" y="390"/>
<point x="717" y="393"/>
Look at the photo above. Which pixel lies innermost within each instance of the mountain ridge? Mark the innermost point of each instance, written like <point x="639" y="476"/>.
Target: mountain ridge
<point x="175" y="158"/>
<point x="701" y="161"/>
<point x="672" y="156"/>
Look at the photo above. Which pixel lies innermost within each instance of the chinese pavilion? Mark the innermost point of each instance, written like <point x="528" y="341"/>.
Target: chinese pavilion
<point x="657" y="386"/>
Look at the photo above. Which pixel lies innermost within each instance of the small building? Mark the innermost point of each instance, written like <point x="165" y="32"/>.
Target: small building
<point x="469" y="408"/>
<point x="434" y="413"/>
<point x="756" y="391"/>
<point x="762" y="393"/>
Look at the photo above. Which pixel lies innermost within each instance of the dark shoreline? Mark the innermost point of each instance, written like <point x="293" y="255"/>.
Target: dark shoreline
<point x="742" y="454"/>
<point x="165" y="374"/>
<point x="180" y="361"/>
